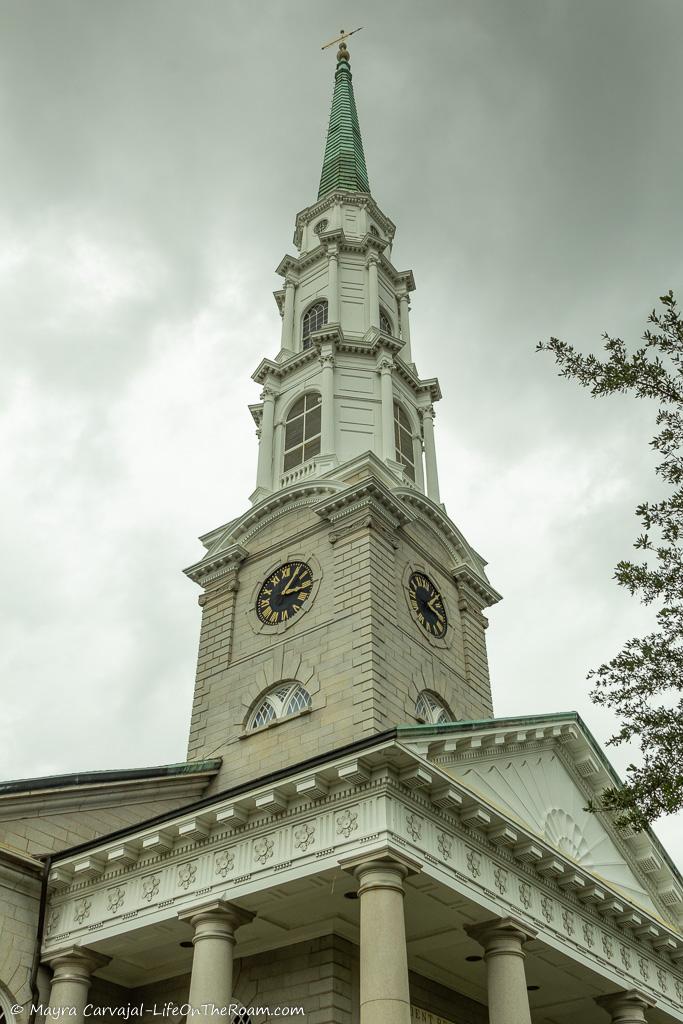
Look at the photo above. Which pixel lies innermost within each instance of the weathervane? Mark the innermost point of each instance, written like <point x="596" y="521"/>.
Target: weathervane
<point x="341" y="39"/>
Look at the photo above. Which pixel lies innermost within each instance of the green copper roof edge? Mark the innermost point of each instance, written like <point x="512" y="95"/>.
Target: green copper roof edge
<point x="100" y="777"/>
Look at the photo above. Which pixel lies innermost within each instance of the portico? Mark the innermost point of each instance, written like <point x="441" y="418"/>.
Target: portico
<point x="382" y="844"/>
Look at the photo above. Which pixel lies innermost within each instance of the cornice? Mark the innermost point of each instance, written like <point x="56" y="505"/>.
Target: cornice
<point x="293" y="266"/>
<point x="359" y="199"/>
<point x="365" y="496"/>
<point x="214" y="566"/>
<point x="225" y="553"/>
<point x="584" y="762"/>
<point x="372" y="343"/>
<point x="473" y="570"/>
<point x="269" y="368"/>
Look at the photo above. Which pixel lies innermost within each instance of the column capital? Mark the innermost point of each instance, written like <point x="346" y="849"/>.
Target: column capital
<point x="428" y="410"/>
<point x="501" y="935"/>
<point x="372" y="257"/>
<point x="268" y="392"/>
<point x="76" y="962"/>
<point x="627" y="1006"/>
<point x="290" y="282"/>
<point x="383" y="862"/>
<point x="385" y="364"/>
<point x="218" y="912"/>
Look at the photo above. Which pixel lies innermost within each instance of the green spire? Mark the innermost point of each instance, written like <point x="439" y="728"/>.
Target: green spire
<point x="344" y="167"/>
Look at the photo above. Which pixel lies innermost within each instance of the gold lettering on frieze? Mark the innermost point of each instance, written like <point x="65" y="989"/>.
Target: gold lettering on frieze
<point x="420" y="1016"/>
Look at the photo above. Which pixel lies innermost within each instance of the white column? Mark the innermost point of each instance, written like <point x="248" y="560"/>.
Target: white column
<point x="627" y="1007"/>
<point x="502" y="939"/>
<point x="214" y="926"/>
<point x="384" y="991"/>
<point x="333" y="286"/>
<point x="419" y="464"/>
<point x="327" y="445"/>
<point x="430" y="454"/>
<point x="406" y="351"/>
<point x="72" y="971"/>
<point x="385" y="367"/>
<point x="287" y="340"/>
<point x="373" y="291"/>
<point x="264" y="471"/>
<point x="278" y="448"/>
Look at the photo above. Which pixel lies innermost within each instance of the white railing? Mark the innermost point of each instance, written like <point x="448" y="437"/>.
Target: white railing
<point x="298" y="473"/>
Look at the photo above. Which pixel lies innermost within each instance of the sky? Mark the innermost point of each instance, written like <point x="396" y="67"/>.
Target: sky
<point x="153" y="155"/>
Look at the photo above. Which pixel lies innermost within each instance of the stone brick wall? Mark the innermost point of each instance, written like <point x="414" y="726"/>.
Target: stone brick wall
<point x="356" y="646"/>
<point x="46" y="831"/>
<point x="19" y="904"/>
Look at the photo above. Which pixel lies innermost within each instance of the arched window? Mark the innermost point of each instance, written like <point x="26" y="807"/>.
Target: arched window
<point x="314" y="317"/>
<point x="302" y="430"/>
<point x="431" y="709"/>
<point x="374" y="231"/>
<point x="403" y="438"/>
<point x="242" y="1017"/>
<point x="385" y="324"/>
<point x="320" y="227"/>
<point x="283" y="700"/>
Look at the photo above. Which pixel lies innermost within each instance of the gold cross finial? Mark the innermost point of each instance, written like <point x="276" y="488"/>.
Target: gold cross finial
<point x="342" y="38"/>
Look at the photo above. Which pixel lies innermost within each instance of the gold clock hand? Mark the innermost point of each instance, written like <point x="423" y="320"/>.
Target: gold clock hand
<point x="289" y="589"/>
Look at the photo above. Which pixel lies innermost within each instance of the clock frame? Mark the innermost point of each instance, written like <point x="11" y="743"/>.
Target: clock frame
<point x="284" y="592"/>
<point x="427" y="604"/>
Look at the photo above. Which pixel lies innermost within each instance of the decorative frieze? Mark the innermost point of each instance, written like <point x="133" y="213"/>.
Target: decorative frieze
<point x="512" y="871"/>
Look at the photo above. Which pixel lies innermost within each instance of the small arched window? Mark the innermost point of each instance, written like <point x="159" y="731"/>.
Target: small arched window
<point x="242" y="1017"/>
<point x="320" y="227"/>
<point x="385" y="324"/>
<point x="374" y="231"/>
<point x="431" y="709"/>
<point x="314" y="317"/>
<point x="282" y="701"/>
<point x="302" y="430"/>
<point x="403" y="439"/>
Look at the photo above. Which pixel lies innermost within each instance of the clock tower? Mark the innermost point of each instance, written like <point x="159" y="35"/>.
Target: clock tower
<point x="344" y="601"/>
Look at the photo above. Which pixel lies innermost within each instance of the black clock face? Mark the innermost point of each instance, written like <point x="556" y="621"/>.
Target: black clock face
<point x="427" y="603"/>
<point x="284" y="593"/>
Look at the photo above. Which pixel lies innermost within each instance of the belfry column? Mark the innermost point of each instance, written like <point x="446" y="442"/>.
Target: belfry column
<point x="333" y="288"/>
<point x="264" y="470"/>
<point x="430" y="454"/>
<point x="373" y="290"/>
<point x="385" y="367"/>
<point x="287" y="340"/>
<point x="406" y="351"/>
<point x="627" y="1007"/>
<point x="327" y="445"/>
<point x="384" y="988"/>
<point x="215" y="924"/>
<point x="502" y="940"/>
<point x="72" y="972"/>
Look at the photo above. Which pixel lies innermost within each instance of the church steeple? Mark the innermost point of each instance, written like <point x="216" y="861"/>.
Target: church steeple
<point x="344" y="167"/>
<point x="344" y="601"/>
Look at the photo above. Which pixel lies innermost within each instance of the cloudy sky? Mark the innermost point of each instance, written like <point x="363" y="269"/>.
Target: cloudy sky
<point x="153" y="154"/>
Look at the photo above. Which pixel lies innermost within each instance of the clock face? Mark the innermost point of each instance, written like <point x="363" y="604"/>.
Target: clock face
<point x="427" y="604"/>
<point x="284" y="593"/>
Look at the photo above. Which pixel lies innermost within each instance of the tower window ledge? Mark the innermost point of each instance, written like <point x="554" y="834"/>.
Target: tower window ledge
<point x="275" y="722"/>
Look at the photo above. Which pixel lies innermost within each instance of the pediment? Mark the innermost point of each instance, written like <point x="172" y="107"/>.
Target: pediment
<point x="536" y="790"/>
